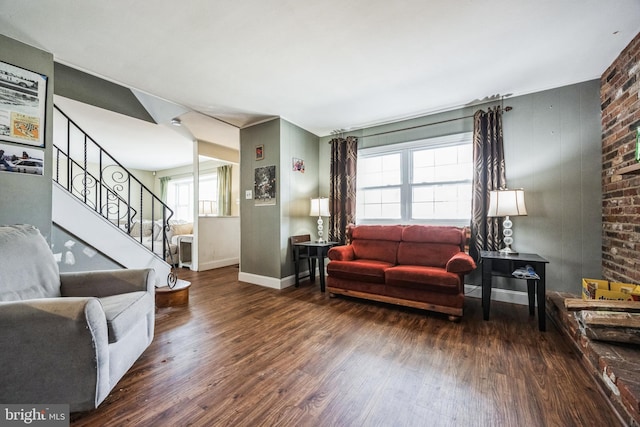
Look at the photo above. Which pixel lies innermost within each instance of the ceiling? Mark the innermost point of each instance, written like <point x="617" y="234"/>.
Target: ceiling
<point x="330" y="64"/>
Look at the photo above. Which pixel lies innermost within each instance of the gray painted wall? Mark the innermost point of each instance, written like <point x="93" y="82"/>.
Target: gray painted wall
<point x="552" y="145"/>
<point x="265" y="230"/>
<point x="24" y="198"/>
<point x="260" y="243"/>
<point x="297" y="189"/>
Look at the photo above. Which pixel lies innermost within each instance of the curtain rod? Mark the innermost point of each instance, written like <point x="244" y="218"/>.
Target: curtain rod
<point x="421" y="126"/>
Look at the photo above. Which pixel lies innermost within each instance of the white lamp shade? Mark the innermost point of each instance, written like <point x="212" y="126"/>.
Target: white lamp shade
<point x="319" y="207"/>
<point x="506" y="203"/>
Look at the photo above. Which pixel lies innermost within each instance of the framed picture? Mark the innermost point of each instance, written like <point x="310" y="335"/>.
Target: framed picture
<point x="23" y="95"/>
<point x="265" y="186"/>
<point x="297" y="165"/>
<point x="14" y="158"/>
<point x="259" y="152"/>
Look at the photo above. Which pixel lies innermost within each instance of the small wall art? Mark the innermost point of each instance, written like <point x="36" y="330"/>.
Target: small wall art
<point x="23" y="95"/>
<point x="259" y="152"/>
<point x="265" y="186"/>
<point x="297" y="165"/>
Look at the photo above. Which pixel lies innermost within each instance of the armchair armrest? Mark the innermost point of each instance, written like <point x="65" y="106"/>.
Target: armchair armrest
<point x="341" y="253"/>
<point x="54" y="350"/>
<point x="106" y="282"/>
<point x="461" y="263"/>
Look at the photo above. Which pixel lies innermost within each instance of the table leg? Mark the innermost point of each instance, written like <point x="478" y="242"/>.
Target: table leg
<point x="542" y="314"/>
<point x="296" y="264"/>
<point x="321" y="268"/>
<point x="531" y="292"/>
<point x="312" y="273"/>
<point x="486" y="287"/>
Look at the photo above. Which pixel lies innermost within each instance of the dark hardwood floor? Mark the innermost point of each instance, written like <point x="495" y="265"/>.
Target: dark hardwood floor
<point x="244" y="355"/>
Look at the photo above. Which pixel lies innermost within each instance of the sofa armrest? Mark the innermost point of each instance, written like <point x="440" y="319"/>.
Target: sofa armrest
<point x="341" y="253"/>
<point x="106" y="282"/>
<point x="54" y="350"/>
<point x="461" y="263"/>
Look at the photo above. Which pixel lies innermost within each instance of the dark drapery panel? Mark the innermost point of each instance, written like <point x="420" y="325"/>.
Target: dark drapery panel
<point x="488" y="174"/>
<point x="342" y="191"/>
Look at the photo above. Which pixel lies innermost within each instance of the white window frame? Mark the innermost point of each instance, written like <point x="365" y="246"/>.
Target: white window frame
<point x="406" y="149"/>
<point x="173" y="195"/>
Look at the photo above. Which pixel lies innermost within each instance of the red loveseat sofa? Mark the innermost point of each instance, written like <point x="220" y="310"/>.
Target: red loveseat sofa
<point x="418" y="266"/>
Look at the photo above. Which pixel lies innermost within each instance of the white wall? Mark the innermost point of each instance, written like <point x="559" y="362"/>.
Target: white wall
<point x="218" y="242"/>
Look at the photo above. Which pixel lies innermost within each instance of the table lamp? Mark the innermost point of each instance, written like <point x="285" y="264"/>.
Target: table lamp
<point x="320" y="208"/>
<point x="506" y="203"/>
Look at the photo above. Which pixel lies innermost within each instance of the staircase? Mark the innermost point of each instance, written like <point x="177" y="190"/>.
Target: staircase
<point x="99" y="201"/>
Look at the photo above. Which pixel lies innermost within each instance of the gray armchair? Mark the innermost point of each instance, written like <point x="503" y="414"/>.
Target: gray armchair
<point x="66" y="338"/>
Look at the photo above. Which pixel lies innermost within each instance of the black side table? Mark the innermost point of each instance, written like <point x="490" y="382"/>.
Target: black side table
<point x="316" y="251"/>
<point x="496" y="263"/>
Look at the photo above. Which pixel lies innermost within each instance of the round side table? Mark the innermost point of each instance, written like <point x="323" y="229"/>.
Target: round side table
<point x="178" y="296"/>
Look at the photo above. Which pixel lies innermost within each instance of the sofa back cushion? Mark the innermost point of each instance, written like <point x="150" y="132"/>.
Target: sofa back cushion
<point x="431" y="246"/>
<point x="28" y="268"/>
<point x="376" y="242"/>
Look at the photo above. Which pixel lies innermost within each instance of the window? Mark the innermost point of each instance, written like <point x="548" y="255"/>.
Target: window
<point x="427" y="181"/>
<point x="180" y="196"/>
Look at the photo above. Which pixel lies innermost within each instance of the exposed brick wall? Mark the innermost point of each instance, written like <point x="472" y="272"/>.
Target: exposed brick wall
<point x="619" y="95"/>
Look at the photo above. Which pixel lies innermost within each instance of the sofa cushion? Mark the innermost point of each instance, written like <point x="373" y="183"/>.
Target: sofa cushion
<point x="426" y="254"/>
<point x="379" y="250"/>
<point x="377" y="232"/>
<point x="420" y="277"/>
<point x="123" y="311"/>
<point x="366" y="270"/>
<point x="29" y="269"/>
<point x="434" y="234"/>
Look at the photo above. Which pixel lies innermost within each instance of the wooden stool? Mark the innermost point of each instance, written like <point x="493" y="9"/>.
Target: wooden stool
<point x="178" y="296"/>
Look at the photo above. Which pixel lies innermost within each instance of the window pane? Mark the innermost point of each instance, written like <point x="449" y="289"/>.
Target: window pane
<point x="379" y="171"/>
<point x="452" y="201"/>
<point x="442" y="164"/>
<point x="379" y="204"/>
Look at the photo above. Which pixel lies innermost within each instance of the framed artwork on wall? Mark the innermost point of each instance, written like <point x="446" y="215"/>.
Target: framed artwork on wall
<point x="23" y="96"/>
<point x="14" y="158"/>
<point x="297" y="165"/>
<point x="259" y="152"/>
<point x="265" y="186"/>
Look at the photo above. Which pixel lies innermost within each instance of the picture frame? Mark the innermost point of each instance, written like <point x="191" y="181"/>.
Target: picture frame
<point x="259" y="152"/>
<point x="23" y="96"/>
<point x="18" y="159"/>
<point x="297" y="165"/>
<point x="265" y="185"/>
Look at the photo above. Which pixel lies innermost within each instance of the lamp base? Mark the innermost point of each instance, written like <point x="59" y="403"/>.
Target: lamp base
<point x="320" y="231"/>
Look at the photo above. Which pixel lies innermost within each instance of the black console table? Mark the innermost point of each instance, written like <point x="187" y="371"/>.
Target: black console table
<point x="496" y="263"/>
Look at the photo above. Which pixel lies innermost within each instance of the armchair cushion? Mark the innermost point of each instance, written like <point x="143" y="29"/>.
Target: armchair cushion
<point x="20" y="280"/>
<point x="123" y="310"/>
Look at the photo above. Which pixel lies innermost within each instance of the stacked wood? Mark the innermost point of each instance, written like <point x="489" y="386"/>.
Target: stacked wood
<point x="605" y="320"/>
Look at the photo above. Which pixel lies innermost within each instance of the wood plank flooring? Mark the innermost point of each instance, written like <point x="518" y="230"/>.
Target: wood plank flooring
<point x="244" y="355"/>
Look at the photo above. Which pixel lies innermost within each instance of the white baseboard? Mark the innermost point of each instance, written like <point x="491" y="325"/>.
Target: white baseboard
<point x="217" y="264"/>
<point x="270" y="282"/>
<point x="502" y="295"/>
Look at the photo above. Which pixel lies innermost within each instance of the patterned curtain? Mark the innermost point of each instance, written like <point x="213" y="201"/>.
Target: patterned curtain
<point x="342" y="191"/>
<point x="488" y="174"/>
<point x="224" y="190"/>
